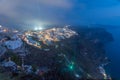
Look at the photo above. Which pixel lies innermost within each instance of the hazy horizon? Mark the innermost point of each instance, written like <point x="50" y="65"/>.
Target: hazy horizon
<point x="63" y="12"/>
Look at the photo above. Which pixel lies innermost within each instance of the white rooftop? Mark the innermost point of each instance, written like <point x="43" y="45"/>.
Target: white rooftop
<point x="14" y="44"/>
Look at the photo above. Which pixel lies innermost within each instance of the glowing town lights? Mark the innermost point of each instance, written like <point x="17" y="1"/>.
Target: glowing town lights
<point x="5" y="30"/>
<point x="50" y="35"/>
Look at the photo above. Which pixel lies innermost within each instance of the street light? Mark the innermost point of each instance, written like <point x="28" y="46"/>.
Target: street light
<point x="71" y="67"/>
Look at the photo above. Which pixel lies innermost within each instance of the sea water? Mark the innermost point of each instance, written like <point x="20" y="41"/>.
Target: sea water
<point x="113" y="52"/>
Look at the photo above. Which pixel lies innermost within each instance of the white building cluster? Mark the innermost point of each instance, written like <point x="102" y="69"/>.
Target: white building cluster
<point x="13" y="44"/>
<point x="48" y="36"/>
<point x="35" y="38"/>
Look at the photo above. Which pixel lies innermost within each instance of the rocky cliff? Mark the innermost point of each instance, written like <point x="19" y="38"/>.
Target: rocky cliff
<point x="80" y="56"/>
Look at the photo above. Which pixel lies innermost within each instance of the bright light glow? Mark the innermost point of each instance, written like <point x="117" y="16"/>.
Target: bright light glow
<point x="71" y="67"/>
<point x="77" y="75"/>
<point x="0" y="26"/>
<point x="38" y="28"/>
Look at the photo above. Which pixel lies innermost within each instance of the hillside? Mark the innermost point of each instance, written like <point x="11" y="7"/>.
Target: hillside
<point x="58" y="53"/>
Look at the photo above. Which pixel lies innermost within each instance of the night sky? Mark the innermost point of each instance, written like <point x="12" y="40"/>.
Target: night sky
<point x="77" y="12"/>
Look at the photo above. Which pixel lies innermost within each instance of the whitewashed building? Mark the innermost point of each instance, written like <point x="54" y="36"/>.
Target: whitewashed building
<point x="14" y="44"/>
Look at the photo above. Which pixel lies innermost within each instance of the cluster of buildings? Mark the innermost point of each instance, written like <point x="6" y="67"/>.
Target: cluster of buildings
<point x="3" y="29"/>
<point x="13" y="39"/>
<point x="6" y="30"/>
<point x="48" y="36"/>
<point x="9" y="40"/>
<point x="14" y="43"/>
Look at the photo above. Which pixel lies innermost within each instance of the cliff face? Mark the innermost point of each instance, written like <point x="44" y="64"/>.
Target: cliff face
<point x="91" y="46"/>
<point x="83" y="53"/>
<point x="62" y="53"/>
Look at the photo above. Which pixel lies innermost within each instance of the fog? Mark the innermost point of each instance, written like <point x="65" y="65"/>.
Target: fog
<point x="59" y="12"/>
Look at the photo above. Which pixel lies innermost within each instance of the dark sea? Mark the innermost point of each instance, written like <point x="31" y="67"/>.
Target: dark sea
<point x="113" y="52"/>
